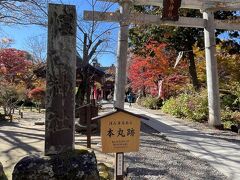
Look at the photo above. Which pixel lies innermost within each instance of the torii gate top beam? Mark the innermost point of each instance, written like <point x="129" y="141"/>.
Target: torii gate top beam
<point x="138" y="18"/>
<point x="214" y="5"/>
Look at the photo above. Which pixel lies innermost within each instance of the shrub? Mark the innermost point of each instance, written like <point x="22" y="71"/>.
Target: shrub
<point x="230" y="118"/>
<point x="150" y="102"/>
<point x="231" y="96"/>
<point x="173" y="107"/>
<point x="193" y="106"/>
<point x="9" y="95"/>
<point x="37" y="95"/>
<point x="229" y="100"/>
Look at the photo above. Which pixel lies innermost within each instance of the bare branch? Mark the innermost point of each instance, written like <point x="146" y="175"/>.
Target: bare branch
<point x="93" y="51"/>
<point x="37" y="47"/>
<point x="24" y="12"/>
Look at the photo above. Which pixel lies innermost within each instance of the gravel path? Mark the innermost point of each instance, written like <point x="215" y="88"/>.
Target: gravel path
<point x="159" y="158"/>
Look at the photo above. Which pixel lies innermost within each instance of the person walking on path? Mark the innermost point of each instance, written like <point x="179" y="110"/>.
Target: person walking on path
<point x="130" y="98"/>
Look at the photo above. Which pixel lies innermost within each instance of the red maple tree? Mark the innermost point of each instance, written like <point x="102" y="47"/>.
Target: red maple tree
<point x="13" y="64"/>
<point x="37" y="94"/>
<point x="152" y="71"/>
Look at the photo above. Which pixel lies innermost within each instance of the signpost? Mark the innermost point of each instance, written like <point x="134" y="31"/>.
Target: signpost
<point x="170" y="9"/>
<point x="120" y="132"/>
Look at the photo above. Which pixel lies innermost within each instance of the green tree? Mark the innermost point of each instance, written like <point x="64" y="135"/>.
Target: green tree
<point x="180" y="38"/>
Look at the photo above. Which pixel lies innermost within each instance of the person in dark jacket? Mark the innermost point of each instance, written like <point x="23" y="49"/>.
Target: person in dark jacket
<point x="130" y="98"/>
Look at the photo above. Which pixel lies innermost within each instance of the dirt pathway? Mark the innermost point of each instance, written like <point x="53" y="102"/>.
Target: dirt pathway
<point x="22" y="137"/>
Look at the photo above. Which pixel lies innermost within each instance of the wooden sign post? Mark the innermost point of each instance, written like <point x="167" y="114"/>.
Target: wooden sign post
<point x="170" y="10"/>
<point x="120" y="132"/>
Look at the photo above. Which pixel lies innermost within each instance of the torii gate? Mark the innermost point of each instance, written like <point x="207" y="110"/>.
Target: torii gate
<point x="124" y="17"/>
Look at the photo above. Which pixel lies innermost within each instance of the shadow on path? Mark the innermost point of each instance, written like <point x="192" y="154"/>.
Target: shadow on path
<point x="221" y="153"/>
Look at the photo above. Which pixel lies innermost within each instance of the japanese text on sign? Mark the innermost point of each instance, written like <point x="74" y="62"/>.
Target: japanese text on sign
<point x="120" y="132"/>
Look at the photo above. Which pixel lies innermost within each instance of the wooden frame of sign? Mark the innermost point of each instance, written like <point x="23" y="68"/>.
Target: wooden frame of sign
<point x="120" y="132"/>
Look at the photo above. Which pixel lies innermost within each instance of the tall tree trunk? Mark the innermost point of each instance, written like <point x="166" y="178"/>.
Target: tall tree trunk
<point x="192" y="70"/>
<point x="88" y="89"/>
<point x="144" y="91"/>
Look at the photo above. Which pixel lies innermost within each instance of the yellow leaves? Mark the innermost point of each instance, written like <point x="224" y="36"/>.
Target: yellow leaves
<point x="228" y="65"/>
<point x="40" y="83"/>
<point x="199" y="53"/>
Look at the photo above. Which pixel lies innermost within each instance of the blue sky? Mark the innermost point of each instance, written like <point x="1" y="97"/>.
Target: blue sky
<point x="21" y="34"/>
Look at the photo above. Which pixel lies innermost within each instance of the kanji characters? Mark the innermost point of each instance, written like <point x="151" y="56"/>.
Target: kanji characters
<point x="110" y="132"/>
<point x="121" y="133"/>
<point x="130" y="132"/>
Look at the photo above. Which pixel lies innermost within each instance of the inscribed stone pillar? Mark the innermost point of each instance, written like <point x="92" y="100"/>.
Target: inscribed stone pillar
<point x="61" y="79"/>
<point x="211" y="67"/>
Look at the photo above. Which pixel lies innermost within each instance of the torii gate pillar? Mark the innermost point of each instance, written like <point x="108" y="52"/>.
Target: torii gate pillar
<point x="212" y="72"/>
<point x="120" y="79"/>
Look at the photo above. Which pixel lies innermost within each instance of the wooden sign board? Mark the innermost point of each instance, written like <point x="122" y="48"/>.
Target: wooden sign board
<point x="120" y="132"/>
<point x="170" y="10"/>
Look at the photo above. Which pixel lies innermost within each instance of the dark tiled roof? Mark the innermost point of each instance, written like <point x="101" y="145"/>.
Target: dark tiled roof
<point x="41" y="71"/>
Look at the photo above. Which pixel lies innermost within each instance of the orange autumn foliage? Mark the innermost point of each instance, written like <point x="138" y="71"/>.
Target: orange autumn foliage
<point x="156" y="65"/>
